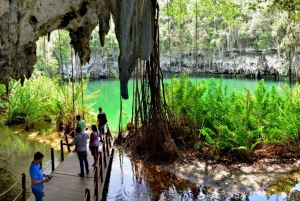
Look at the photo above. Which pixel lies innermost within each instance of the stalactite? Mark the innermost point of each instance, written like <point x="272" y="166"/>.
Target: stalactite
<point x="22" y="25"/>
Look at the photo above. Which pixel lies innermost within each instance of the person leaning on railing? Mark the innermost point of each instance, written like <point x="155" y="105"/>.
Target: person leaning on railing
<point x="81" y="141"/>
<point x="37" y="177"/>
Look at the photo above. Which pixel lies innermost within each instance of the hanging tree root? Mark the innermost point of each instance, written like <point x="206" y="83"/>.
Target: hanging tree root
<point x="151" y="142"/>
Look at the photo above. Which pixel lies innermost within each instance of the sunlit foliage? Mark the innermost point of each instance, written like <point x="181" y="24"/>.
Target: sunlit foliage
<point x="236" y="120"/>
<point x="43" y="99"/>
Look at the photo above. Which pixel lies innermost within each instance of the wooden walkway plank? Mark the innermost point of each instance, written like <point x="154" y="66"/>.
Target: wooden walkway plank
<point x="67" y="185"/>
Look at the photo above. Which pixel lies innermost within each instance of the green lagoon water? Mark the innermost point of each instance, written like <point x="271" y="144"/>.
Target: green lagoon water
<point x="109" y="98"/>
<point x="17" y="150"/>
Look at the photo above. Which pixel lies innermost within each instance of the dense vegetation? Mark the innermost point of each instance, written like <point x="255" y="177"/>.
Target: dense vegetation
<point x="221" y="119"/>
<point x="198" y="27"/>
<point x="219" y="27"/>
<point x="43" y="100"/>
<point x="235" y="121"/>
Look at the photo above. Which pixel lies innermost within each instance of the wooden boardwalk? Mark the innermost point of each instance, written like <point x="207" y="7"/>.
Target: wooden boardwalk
<point x="67" y="185"/>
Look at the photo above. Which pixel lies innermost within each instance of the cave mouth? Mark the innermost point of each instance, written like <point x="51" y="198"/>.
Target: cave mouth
<point x="131" y="24"/>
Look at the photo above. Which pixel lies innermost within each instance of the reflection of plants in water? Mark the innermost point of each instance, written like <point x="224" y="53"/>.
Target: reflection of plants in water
<point x="284" y="184"/>
<point x="208" y="193"/>
<point x="14" y="142"/>
<point x="121" y="153"/>
<point x="162" y="184"/>
<point x="124" y="120"/>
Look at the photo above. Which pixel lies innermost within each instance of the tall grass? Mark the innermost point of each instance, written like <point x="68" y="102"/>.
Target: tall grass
<point x="235" y="120"/>
<point x="42" y="99"/>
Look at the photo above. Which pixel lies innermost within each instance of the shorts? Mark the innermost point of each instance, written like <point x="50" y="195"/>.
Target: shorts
<point x="94" y="151"/>
<point x="101" y="129"/>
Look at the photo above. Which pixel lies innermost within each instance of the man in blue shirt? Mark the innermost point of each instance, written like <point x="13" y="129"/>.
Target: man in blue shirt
<point x="81" y="140"/>
<point x="37" y="177"/>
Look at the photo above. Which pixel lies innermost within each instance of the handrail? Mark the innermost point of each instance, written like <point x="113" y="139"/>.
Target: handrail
<point x="10" y="188"/>
<point x="47" y="166"/>
<point x="87" y="194"/>
<point x="19" y="194"/>
<point x="71" y="131"/>
<point x="95" y="181"/>
<point x="23" y="178"/>
<point x="98" y="173"/>
<point x="66" y="139"/>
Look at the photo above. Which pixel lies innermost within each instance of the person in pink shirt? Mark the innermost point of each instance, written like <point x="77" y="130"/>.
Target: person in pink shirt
<point x="94" y="144"/>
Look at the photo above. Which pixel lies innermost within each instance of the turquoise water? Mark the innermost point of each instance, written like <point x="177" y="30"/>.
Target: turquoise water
<point x="110" y="100"/>
<point x="128" y="179"/>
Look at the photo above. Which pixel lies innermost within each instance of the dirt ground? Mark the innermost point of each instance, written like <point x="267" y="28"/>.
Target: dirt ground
<point x="269" y="164"/>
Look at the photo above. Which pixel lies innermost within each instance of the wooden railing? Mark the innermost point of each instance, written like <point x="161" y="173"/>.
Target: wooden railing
<point x="101" y="171"/>
<point x="104" y="157"/>
<point x="22" y="193"/>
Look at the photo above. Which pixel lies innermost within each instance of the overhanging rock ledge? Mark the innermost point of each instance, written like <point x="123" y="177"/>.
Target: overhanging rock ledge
<point x="23" y="22"/>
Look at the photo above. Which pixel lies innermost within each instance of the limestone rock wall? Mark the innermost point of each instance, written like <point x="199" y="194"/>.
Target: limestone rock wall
<point x="23" y="22"/>
<point x="249" y="64"/>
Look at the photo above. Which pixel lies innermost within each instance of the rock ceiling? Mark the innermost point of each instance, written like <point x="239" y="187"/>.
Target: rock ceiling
<point x="22" y="22"/>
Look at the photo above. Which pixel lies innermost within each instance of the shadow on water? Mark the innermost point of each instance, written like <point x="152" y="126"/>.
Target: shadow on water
<point x="135" y="181"/>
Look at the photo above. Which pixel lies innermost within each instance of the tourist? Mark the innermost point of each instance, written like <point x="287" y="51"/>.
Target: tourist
<point x="80" y="123"/>
<point x="37" y="177"/>
<point x="101" y="120"/>
<point x="81" y="140"/>
<point x="94" y="144"/>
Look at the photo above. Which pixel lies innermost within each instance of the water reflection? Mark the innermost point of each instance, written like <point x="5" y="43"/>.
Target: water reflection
<point x="135" y="181"/>
<point x="16" y="154"/>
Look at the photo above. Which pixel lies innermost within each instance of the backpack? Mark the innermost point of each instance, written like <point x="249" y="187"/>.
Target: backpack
<point x="102" y="119"/>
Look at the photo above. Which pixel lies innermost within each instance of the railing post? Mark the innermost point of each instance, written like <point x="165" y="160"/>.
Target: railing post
<point x="100" y="166"/>
<point x="52" y="159"/>
<point x="96" y="182"/>
<point x="111" y="159"/>
<point x="106" y="139"/>
<point x="23" y="187"/>
<point x="109" y="140"/>
<point x="87" y="194"/>
<point x="104" y="155"/>
<point x="66" y="138"/>
<point x="107" y="148"/>
<point x="62" y="151"/>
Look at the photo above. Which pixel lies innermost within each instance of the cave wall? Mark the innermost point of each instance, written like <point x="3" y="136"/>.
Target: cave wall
<point x="23" y="22"/>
